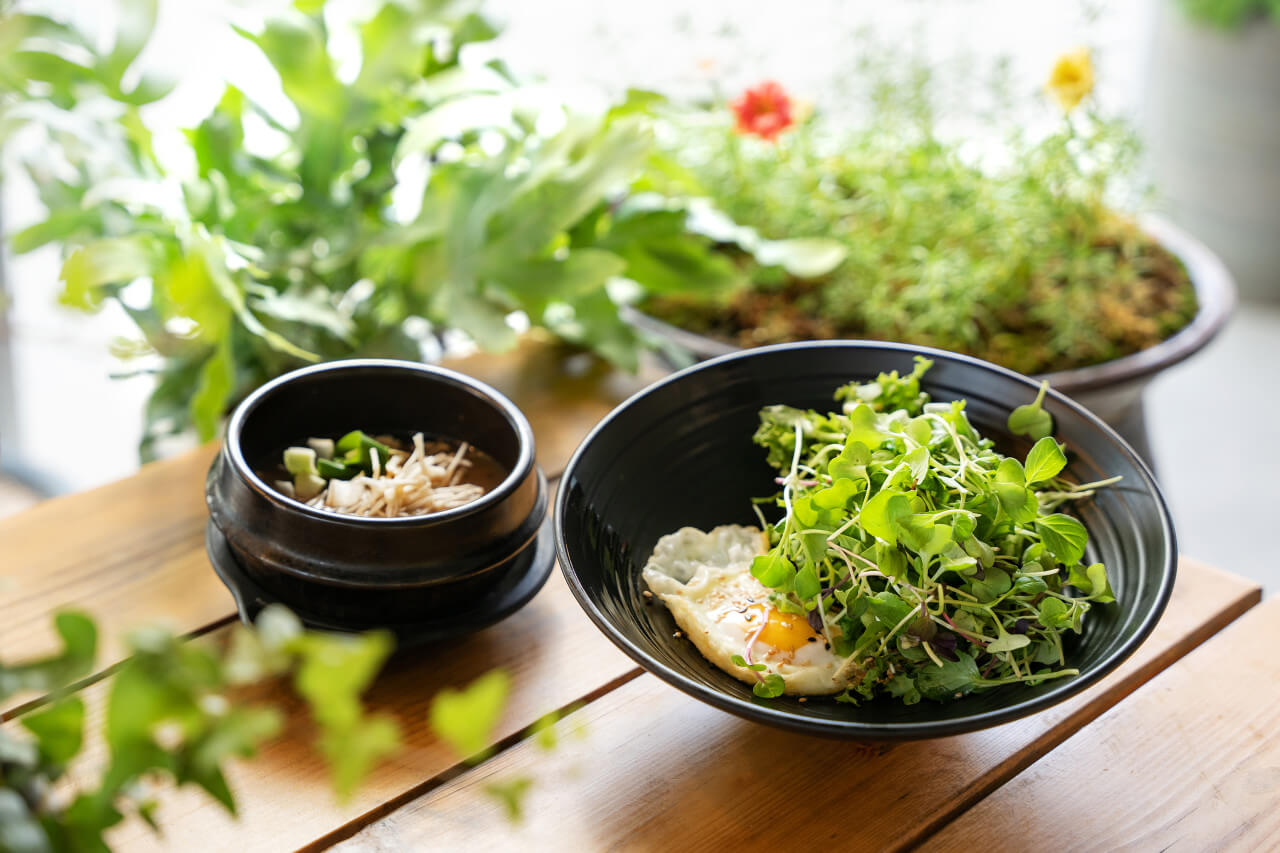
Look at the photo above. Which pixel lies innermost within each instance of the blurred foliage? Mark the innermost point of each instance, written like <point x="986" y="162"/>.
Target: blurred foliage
<point x="430" y="188"/>
<point x="1230" y="14"/>
<point x="172" y="714"/>
<point x="1013" y="255"/>
<point x="424" y="187"/>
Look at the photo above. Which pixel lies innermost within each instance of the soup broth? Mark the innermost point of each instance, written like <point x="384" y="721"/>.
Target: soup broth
<point x="385" y="476"/>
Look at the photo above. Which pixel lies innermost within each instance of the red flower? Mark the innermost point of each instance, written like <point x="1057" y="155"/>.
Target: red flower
<point x="764" y="111"/>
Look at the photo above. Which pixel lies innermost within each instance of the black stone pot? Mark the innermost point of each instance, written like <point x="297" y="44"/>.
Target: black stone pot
<point x="1112" y="390"/>
<point x="338" y="571"/>
<point x="680" y="454"/>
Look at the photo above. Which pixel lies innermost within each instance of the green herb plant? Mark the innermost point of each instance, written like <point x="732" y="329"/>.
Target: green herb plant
<point x="431" y="190"/>
<point x="933" y="563"/>
<point x="1012" y="252"/>
<point x="174" y="713"/>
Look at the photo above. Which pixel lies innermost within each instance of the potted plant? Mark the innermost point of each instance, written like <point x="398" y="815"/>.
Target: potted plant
<point x="1021" y="259"/>
<point x="432" y="191"/>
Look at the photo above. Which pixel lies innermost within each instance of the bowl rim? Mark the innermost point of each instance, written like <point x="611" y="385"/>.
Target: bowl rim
<point x="786" y="719"/>
<point x="514" y="417"/>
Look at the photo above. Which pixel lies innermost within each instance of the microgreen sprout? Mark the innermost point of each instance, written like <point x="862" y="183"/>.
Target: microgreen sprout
<point x="931" y="562"/>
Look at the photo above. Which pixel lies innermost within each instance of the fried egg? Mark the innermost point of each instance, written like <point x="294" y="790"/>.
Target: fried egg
<point x="704" y="579"/>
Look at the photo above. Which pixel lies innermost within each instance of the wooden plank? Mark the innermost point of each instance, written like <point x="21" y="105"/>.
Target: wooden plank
<point x="1190" y="762"/>
<point x="552" y="652"/>
<point x="660" y="770"/>
<point x="132" y="552"/>
<point x="128" y="552"/>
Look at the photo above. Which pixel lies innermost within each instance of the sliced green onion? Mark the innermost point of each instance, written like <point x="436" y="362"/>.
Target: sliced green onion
<point x="322" y="446"/>
<point x="300" y="460"/>
<point x="307" y="486"/>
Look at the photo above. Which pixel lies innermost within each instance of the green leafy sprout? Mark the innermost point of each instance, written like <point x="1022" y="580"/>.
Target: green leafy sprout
<point x="172" y="714"/>
<point x="933" y="564"/>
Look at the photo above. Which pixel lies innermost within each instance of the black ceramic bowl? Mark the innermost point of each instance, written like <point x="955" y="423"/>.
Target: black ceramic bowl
<point x="459" y="568"/>
<point x="680" y="453"/>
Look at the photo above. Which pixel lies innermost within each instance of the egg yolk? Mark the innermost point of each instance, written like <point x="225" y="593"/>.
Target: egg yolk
<point x="783" y="631"/>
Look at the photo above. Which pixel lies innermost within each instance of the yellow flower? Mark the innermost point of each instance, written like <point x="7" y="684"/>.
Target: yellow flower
<point x="1071" y="78"/>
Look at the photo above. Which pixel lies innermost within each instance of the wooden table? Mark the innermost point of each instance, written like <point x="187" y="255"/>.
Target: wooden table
<point x="1180" y="744"/>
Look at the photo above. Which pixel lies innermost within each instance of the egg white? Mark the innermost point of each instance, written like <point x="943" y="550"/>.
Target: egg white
<point x="704" y="578"/>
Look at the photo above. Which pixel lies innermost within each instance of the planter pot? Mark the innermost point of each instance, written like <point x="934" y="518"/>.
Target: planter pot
<point x="1211" y="125"/>
<point x="1114" y="389"/>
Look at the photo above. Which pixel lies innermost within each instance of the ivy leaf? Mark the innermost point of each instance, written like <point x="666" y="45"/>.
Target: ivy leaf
<point x="1045" y="460"/>
<point x="333" y="672"/>
<point x="1063" y="536"/>
<point x="59" y="729"/>
<point x="236" y="733"/>
<point x="511" y="794"/>
<point x="79" y="638"/>
<point x="353" y="752"/>
<point x="465" y="718"/>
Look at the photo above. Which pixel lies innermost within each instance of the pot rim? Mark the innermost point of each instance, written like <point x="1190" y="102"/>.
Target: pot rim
<point x="1215" y="294"/>
<point x="515" y="419"/>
